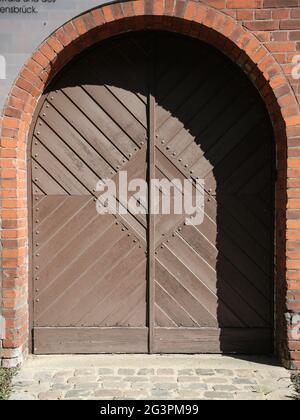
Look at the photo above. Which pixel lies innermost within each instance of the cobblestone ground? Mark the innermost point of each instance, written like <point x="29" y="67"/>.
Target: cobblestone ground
<point x="151" y="377"/>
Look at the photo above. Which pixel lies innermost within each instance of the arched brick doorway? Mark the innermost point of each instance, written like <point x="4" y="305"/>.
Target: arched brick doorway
<point x="206" y="288"/>
<point x="189" y="18"/>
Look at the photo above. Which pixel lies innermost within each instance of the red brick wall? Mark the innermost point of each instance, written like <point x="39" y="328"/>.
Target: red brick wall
<point x="261" y="36"/>
<point x="276" y="23"/>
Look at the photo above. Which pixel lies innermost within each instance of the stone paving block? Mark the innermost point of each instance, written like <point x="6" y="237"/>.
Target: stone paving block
<point x="164" y="386"/>
<point x="115" y="385"/>
<point x="62" y="387"/>
<point x="225" y="372"/>
<point x="136" y="379"/>
<point x="77" y="393"/>
<point x="165" y="372"/>
<point x="219" y="395"/>
<point x="43" y="376"/>
<point x="186" y="372"/>
<point x="87" y="386"/>
<point x="248" y="396"/>
<point x="137" y="395"/>
<point x="205" y="372"/>
<point x="108" y="393"/>
<point x="250" y="388"/>
<point x="215" y="380"/>
<point x="63" y="374"/>
<point x="50" y="395"/>
<point x="59" y="380"/>
<point x="146" y="371"/>
<point x="23" y="384"/>
<point x="185" y="379"/>
<point x="24" y="375"/>
<point x="23" y="396"/>
<point x="109" y="378"/>
<point x="244" y="373"/>
<point x="126" y="372"/>
<point x="188" y="379"/>
<point x="244" y="381"/>
<point x="84" y="372"/>
<point x="141" y="385"/>
<point x="80" y="379"/>
<point x="193" y="386"/>
<point x="35" y="389"/>
<point x="224" y="388"/>
<point x="158" y="393"/>
<point x="105" y="371"/>
<point x="163" y="378"/>
<point x="258" y="375"/>
<point x="190" y="395"/>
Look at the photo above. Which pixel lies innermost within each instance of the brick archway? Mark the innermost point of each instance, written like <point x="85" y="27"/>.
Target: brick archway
<point x="188" y="18"/>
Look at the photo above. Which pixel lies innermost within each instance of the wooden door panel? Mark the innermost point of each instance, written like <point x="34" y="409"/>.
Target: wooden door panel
<point x="85" y="264"/>
<point x="214" y="280"/>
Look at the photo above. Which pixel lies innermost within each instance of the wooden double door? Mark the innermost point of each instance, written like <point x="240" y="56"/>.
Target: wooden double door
<point x="155" y="106"/>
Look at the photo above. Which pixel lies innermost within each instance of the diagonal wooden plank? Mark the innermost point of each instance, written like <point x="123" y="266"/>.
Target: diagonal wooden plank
<point x="75" y="165"/>
<point x="190" y="282"/>
<point x="128" y="255"/>
<point x="58" y="171"/>
<point x="75" y="234"/>
<point x="179" y="90"/>
<point x="112" y="304"/>
<point x="46" y="206"/>
<point x="62" y="101"/>
<point x="139" y="309"/>
<point x="45" y="182"/>
<point x="237" y="182"/>
<point x="174" y="132"/>
<point x="69" y="264"/>
<point x="174" y="311"/>
<point x="63" y="212"/>
<point x="111" y="145"/>
<point x="183" y="298"/>
<point x="134" y="129"/>
<point x="74" y="302"/>
<point x="60" y="277"/>
<point x="88" y="149"/>
<point x="235" y="254"/>
<point x="260" y="210"/>
<point x="162" y="319"/>
<point x="254" y="227"/>
<point x="231" y="162"/>
<point x="218" y="222"/>
<point x="227" y="141"/>
<point x="134" y="313"/>
<point x="224" y="277"/>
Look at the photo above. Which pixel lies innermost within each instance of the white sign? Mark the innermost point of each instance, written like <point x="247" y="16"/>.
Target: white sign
<point x="25" y="24"/>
